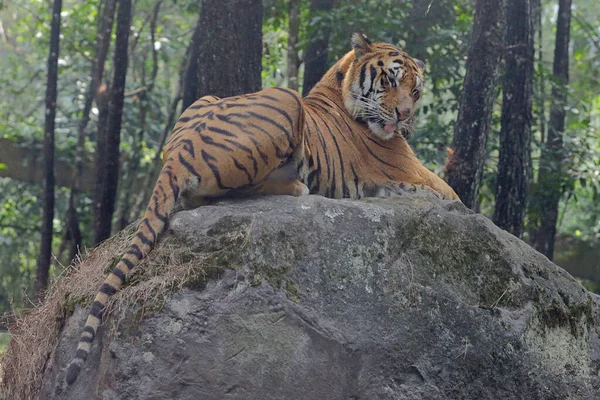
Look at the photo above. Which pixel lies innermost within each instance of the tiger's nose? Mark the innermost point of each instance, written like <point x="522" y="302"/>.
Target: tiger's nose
<point x="404" y="113"/>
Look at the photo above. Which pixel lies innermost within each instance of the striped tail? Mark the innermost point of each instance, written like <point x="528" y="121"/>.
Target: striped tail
<point x="155" y="219"/>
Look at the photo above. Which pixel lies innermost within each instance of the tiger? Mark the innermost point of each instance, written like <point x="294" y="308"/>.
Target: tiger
<point x="345" y="139"/>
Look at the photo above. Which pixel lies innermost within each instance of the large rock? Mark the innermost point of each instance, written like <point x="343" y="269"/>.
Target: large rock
<point x="402" y="298"/>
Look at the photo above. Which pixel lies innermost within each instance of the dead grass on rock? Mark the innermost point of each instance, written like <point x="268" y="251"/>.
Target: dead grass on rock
<point x="35" y="333"/>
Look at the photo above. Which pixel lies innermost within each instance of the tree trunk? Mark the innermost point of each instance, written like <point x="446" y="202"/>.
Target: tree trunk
<point x="108" y="170"/>
<point x="43" y="264"/>
<point x="190" y="78"/>
<point x="540" y="83"/>
<point x="227" y="58"/>
<point x="292" y="48"/>
<point x="465" y="165"/>
<point x="512" y="182"/>
<point x="143" y="102"/>
<point x="315" y="56"/>
<point x="549" y="187"/>
<point x="72" y="232"/>
<point x="156" y="166"/>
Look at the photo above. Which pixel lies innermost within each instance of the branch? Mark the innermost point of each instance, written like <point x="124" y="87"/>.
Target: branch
<point x="588" y="30"/>
<point x="25" y="164"/>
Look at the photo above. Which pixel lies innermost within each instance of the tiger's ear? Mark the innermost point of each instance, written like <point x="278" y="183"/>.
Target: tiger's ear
<point x="361" y="45"/>
<point x="420" y="64"/>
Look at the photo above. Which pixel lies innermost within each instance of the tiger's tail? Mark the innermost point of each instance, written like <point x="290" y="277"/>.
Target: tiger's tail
<point x="165" y="194"/>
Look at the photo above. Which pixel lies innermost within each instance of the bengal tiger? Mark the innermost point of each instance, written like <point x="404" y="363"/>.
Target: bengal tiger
<point x="345" y="139"/>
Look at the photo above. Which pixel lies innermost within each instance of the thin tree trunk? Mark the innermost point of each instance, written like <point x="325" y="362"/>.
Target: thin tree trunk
<point x="465" y="165"/>
<point x="106" y="194"/>
<point x="315" y="56"/>
<point x="512" y="181"/>
<point x="72" y="232"/>
<point x="292" y="48"/>
<point x="43" y="264"/>
<point x="549" y="189"/>
<point x="541" y="83"/>
<point x="126" y="188"/>
<point x="190" y="87"/>
<point x="156" y="164"/>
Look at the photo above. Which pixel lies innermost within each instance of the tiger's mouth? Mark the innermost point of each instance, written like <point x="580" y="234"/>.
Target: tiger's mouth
<point x="382" y="128"/>
<point x="386" y="130"/>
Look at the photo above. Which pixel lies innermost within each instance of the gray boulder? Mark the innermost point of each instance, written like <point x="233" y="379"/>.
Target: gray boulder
<point x="312" y="298"/>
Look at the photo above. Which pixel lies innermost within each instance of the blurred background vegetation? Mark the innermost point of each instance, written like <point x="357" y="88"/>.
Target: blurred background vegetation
<point x="436" y="31"/>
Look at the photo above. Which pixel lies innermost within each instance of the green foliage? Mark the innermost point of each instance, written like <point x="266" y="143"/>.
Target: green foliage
<point x="436" y="32"/>
<point x="4" y="339"/>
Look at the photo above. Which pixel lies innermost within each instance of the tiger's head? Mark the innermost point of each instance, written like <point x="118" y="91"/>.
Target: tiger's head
<point x="382" y="87"/>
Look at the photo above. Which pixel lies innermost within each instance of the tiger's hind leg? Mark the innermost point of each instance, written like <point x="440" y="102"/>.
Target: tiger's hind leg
<point x="285" y="187"/>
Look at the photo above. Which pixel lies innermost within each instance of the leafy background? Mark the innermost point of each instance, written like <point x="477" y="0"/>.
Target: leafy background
<point x="435" y="31"/>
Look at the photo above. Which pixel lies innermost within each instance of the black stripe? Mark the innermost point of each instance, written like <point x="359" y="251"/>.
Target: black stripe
<point x="355" y="180"/>
<point x="220" y="131"/>
<point x="241" y="167"/>
<point x="377" y="158"/>
<point x="134" y="250"/>
<point x="152" y="232"/>
<point x="119" y="274"/>
<point x="311" y="179"/>
<point x="262" y="155"/>
<point x="127" y="263"/>
<point x="144" y="239"/>
<point x="257" y="104"/>
<point x="378" y="144"/>
<point x="323" y="147"/>
<point x="317" y="185"/>
<point x="163" y="218"/>
<point x="86" y="339"/>
<point x="108" y="289"/>
<point x="189" y="147"/>
<point x="89" y="330"/>
<point x="81" y="354"/>
<point x="363" y="76"/>
<point x="197" y="105"/>
<point x="266" y="96"/>
<point x="210" y="141"/>
<point x="238" y="115"/>
<point x="373" y="76"/>
<point x="278" y="153"/>
<point x="237" y="124"/>
<point x="345" y="191"/>
<point x="247" y="150"/>
<point x="215" y="170"/>
<point x="97" y="309"/>
<point x="189" y="167"/>
<point x="173" y="184"/>
<point x="276" y="124"/>
<point x="386" y="174"/>
<point x="292" y="94"/>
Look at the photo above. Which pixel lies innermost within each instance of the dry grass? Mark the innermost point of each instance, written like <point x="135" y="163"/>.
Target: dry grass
<point x="35" y="333"/>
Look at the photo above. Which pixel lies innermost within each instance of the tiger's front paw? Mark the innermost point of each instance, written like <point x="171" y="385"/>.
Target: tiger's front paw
<point x="300" y="189"/>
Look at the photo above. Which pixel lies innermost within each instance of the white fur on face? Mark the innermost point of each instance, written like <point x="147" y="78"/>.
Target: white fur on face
<point x="378" y="130"/>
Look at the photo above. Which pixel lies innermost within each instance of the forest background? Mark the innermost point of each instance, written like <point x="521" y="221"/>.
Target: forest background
<point x="91" y="91"/>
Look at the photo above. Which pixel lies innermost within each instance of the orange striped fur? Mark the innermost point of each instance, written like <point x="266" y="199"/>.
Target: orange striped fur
<point x="333" y="143"/>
